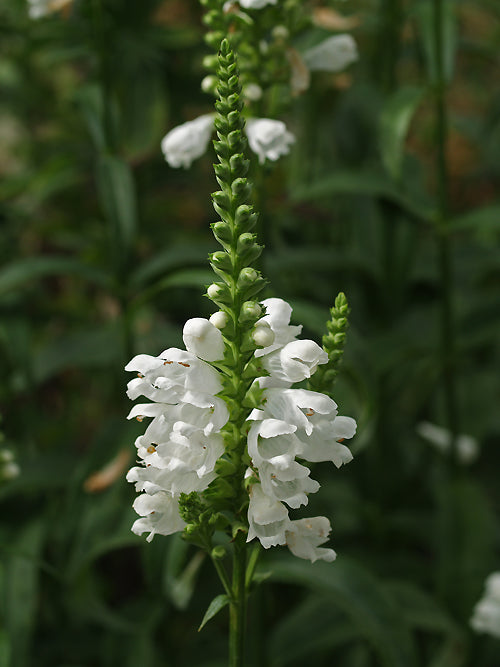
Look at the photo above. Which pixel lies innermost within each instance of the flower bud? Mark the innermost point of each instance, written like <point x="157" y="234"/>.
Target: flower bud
<point x="219" y="319"/>
<point x="221" y="260"/>
<point x="247" y="277"/>
<point x="222" y="232"/>
<point x="250" y="310"/>
<point x="218" y="552"/>
<point x="263" y="335"/>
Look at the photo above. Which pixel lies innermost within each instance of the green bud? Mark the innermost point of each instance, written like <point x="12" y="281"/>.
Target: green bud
<point x="222" y="231"/>
<point x="218" y="553"/>
<point x="239" y="165"/>
<point x="213" y="38"/>
<point x="210" y="62"/>
<point x="247" y="277"/>
<point x="220" y="294"/>
<point x="240" y="187"/>
<point x="221" y="260"/>
<point x="221" y="202"/>
<point x="250" y="311"/>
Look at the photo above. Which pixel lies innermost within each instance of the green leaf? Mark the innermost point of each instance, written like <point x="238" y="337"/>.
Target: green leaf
<point x="484" y="223"/>
<point x="367" y="182"/>
<point x="394" y="123"/>
<point x="424" y="12"/>
<point x="354" y="590"/>
<point x="21" y="590"/>
<point x="117" y="193"/>
<point x="169" y="260"/>
<point x="309" y="630"/>
<point x="4" y="648"/>
<point x="419" y="609"/>
<point x="24" y="271"/>
<point x="214" y="608"/>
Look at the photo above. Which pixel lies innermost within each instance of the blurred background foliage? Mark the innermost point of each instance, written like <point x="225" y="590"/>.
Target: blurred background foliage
<point x="103" y="254"/>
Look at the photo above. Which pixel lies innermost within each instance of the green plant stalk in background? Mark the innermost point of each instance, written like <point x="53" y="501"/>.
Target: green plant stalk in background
<point x="448" y="342"/>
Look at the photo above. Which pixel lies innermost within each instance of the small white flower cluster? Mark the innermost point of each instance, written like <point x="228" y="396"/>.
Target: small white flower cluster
<point x="268" y="138"/>
<point x="182" y="443"/>
<point x="486" y="616"/>
<point x="291" y="424"/>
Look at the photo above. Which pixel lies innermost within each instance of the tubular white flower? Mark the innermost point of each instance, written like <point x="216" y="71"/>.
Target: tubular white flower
<point x="175" y="376"/>
<point x="204" y="339"/>
<point x="267" y="518"/>
<point x="175" y="480"/>
<point x="278" y="313"/>
<point x="332" y="55"/>
<point x="268" y="138"/>
<point x="304" y="537"/>
<point x="187" y="142"/>
<point x="323" y="444"/>
<point x="289" y="484"/>
<point x="297" y="406"/>
<point x="160" y="515"/>
<point x="295" y="362"/>
<point x="486" y="614"/>
<point x="210" y="419"/>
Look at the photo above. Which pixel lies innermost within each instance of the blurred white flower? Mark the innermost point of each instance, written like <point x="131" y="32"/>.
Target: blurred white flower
<point x="268" y="138"/>
<point x="486" y="614"/>
<point x="256" y="4"/>
<point x="305" y="536"/>
<point x="39" y="8"/>
<point x="9" y="469"/>
<point x="188" y="141"/>
<point x="332" y="55"/>
<point x="441" y="439"/>
<point x="267" y="518"/>
<point x="159" y="515"/>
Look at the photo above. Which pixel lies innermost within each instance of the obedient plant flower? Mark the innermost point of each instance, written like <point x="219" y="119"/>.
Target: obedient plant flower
<point x="268" y="138"/>
<point x="231" y="431"/>
<point x="256" y="4"/>
<point x="486" y="615"/>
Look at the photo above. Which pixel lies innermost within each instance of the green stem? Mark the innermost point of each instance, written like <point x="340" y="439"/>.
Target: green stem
<point x="223" y="576"/>
<point x="237" y="609"/>
<point x="448" y="342"/>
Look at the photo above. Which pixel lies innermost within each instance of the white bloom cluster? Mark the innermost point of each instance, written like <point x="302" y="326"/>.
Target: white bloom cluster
<point x="486" y="616"/>
<point x="268" y="138"/>
<point x="291" y="424"/>
<point x="180" y="446"/>
<point x="441" y="438"/>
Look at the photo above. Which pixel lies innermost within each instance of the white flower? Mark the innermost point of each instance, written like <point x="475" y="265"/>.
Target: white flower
<point x="332" y="55"/>
<point x="296" y="407"/>
<point x="188" y="141"/>
<point x="210" y="419"/>
<point x="486" y="615"/>
<point x="278" y="313"/>
<point x="289" y="484"/>
<point x="160" y="515"/>
<point x="441" y="439"/>
<point x="39" y="8"/>
<point x="185" y="143"/>
<point x="304" y="537"/>
<point x="203" y="338"/>
<point x="267" y="518"/>
<point x="170" y="480"/>
<point x="173" y="377"/>
<point x="294" y="362"/>
<point x="256" y="4"/>
<point x="268" y="138"/>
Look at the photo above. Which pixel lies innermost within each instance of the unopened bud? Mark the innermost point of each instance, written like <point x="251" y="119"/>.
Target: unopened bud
<point x="263" y="335"/>
<point x="218" y="552"/>
<point x="280" y="33"/>
<point x="219" y="319"/>
<point x="214" y="291"/>
<point x="250" y="310"/>
<point x="252" y="92"/>
<point x="247" y="277"/>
